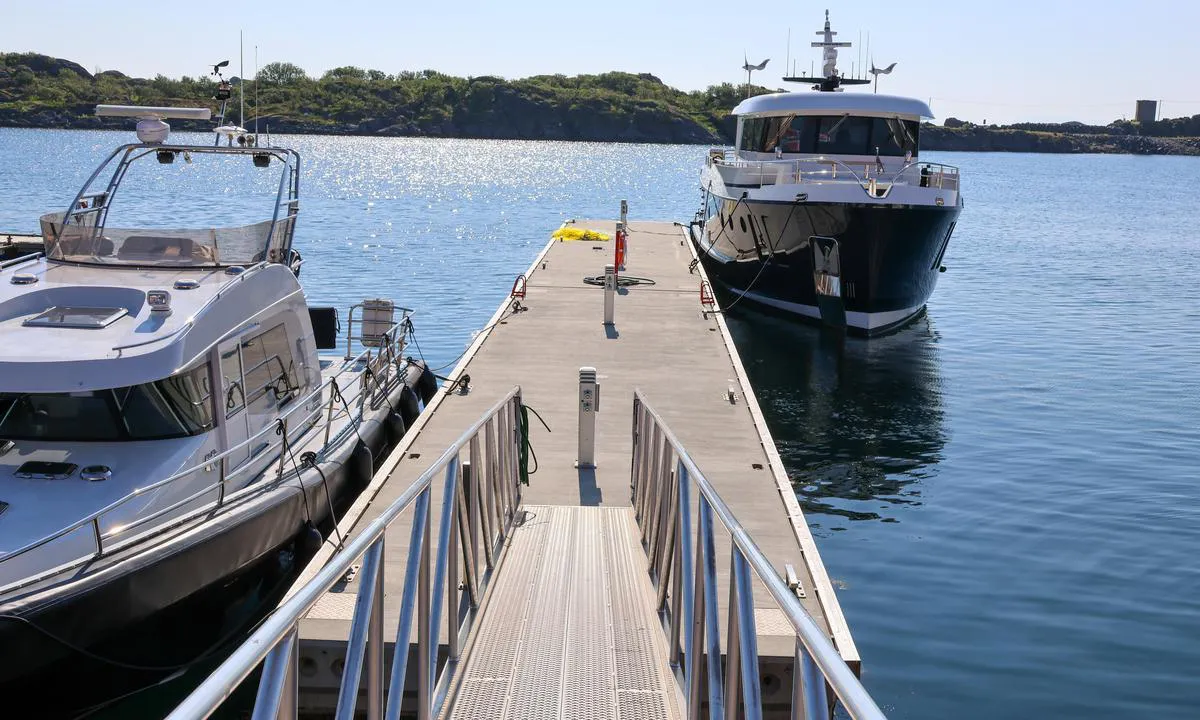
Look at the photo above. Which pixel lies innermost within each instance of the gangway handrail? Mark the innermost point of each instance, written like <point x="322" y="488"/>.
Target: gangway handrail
<point x="481" y="510"/>
<point x="683" y="566"/>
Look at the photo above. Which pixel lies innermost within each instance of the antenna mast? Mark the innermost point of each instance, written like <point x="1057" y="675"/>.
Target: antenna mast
<point x="256" y="92"/>
<point x="241" y="83"/>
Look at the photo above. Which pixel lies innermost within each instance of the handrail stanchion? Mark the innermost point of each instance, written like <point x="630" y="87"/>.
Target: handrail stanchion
<point x="733" y="650"/>
<point x="426" y="645"/>
<point x="478" y="523"/>
<point x="452" y="501"/>
<point x="361" y="630"/>
<point x="712" y="621"/>
<point x="747" y="637"/>
<point x="395" y="693"/>
<point x="278" y="690"/>
<point x="808" y="679"/>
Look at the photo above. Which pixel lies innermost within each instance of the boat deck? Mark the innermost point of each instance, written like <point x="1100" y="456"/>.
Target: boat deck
<point x="688" y="368"/>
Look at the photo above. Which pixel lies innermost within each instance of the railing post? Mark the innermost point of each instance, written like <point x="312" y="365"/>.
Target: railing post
<point x="452" y="602"/>
<point x="489" y="490"/>
<point x="441" y="567"/>
<point x="747" y="637"/>
<point x="426" y="644"/>
<point x="416" y="560"/>
<point x="99" y="537"/>
<point x="691" y="584"/>
<point x="478" y="478"/>
<point x="809" y="683"/>
<point x="365" y="627"/>
<point x="653" y="488"/>
<point x="465" y="534"/>
<point x="707" y="567"/>
<point x="634" y="487"/>
<point x="733" y="648"/>
<point x="277" y="696"/>
<point x="664" y="556"/>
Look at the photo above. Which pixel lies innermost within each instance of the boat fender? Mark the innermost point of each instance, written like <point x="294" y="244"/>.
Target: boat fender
<point x="311" y="539"/>
<point x="408" y="406"/>
<point x="362" y="466"/>
<point x="427" y="384"/>
<point x="396" y="426"/>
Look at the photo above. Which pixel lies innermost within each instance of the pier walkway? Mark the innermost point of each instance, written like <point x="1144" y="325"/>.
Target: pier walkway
<point x="591" y="591"/>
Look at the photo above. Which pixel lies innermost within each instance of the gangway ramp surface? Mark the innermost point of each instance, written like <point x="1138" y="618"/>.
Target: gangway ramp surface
<point x="570" y="629"/>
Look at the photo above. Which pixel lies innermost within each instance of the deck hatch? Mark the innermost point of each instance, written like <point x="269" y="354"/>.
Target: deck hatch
<point x="87" y="318"/>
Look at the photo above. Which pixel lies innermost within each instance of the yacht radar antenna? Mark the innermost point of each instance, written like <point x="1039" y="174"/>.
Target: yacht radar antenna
<point x="151" y="128"/>
<point x="829" y="80"/>
<point x="749" y="68"/>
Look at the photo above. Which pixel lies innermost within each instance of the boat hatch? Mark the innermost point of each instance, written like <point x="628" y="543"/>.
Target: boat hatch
<point x="90" y="318"/>
<point x="39" y="470"/>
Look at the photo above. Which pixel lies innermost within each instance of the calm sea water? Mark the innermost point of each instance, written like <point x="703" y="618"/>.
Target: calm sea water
<point x="1007" y="493"/>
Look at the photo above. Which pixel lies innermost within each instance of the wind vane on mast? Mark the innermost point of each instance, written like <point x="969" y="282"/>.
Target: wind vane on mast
<point x="749" y="68"/>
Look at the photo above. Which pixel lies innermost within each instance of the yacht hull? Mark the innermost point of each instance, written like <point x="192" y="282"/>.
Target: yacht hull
<point x="118" y="607"/>
<point x="888" y="258"/>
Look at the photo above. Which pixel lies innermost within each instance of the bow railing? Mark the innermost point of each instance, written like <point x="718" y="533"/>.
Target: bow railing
<point x="480" y="496"/>
<point x="683" y="567"/>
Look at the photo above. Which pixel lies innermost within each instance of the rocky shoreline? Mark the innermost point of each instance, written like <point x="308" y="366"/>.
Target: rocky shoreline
<point x="37" y="91"/>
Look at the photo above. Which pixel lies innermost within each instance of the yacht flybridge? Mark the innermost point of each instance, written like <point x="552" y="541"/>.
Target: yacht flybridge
<point x="166" y="421"/>
<point x="824" y="209"/>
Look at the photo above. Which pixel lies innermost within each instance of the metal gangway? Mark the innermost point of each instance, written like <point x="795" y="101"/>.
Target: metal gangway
<point x="560" y="611"/>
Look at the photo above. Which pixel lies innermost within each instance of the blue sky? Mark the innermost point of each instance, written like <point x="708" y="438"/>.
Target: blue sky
<point x="1001" y="61"/>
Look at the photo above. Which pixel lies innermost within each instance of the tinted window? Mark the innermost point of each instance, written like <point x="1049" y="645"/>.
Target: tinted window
<point x="231" y="373"/>
<point x="176" y="407"/>
<point x="830" y="135"/>
<point x="894" y="137"/>
<point x="267" y="359"/>
<point x="844" y="136"/>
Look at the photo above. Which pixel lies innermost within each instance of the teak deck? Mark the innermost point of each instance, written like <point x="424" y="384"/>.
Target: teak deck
<point x="688" y="368"/>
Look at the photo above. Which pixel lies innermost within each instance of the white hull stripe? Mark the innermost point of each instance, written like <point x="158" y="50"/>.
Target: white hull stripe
<point x="860" y="320"/>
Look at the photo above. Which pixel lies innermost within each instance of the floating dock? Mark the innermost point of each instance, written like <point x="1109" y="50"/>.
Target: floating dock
<point x="566" y="621"/>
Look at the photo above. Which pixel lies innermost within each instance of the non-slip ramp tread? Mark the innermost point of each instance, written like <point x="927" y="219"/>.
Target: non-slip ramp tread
<point x="570" y="630"/>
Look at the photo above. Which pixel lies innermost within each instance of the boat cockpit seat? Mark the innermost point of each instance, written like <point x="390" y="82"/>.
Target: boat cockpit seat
<point x="154" y="248"/>
<point x="76" y="246"/>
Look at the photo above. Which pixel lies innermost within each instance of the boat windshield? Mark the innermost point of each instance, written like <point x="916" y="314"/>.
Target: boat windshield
<point x="212" y="247"/>
<point x="195" y="207"/>
<point x="178" y="406"/>
<point x="830" y="135"/>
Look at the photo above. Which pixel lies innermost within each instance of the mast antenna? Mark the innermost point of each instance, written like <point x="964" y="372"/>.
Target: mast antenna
<point x="241" y="83"/>
<point x="256" y="92"/>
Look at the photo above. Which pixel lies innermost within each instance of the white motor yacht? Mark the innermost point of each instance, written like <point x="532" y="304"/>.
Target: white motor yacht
<point x="167" y="422"/>
<point x="824" y="209"/>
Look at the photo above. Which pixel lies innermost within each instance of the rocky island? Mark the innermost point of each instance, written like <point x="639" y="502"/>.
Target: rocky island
<point x="37" y="91"/>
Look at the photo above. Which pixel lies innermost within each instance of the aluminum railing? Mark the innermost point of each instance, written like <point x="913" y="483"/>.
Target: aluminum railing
<point x="684" y="569"/>
<point x="475" y="520"/>
<point x="826" y="169"/>
<point x="377" y="371"/>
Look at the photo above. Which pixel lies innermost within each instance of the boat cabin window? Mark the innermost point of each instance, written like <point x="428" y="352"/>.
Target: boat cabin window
<point x="270" y="371"/>
<point x="178" y="406"/>
<point x="830" y="135"/>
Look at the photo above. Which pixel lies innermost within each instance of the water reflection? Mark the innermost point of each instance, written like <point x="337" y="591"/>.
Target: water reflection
<point x="858" y="424"/>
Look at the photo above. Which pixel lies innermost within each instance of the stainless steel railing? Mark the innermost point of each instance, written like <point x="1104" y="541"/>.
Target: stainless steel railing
<point x="820" y="168"/>
<point x="331" y="400"/>
<point x="684" y="569"/>
<point x="479" y="507"/>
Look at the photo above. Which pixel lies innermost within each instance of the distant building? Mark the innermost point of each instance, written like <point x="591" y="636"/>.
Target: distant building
<point x="1147" y="111"/>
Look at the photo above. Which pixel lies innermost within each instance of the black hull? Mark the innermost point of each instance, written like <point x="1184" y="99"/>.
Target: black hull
<point x="167" y="604"/>
<point x="890" y="257"/>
